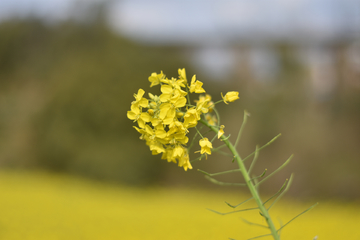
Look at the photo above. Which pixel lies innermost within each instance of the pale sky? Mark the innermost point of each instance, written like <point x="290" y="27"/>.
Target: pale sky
<point x="226" y="19"/>
<point x="210" y="20"/>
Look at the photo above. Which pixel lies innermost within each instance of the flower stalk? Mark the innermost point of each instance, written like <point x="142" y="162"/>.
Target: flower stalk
<point x="249" y="183"/>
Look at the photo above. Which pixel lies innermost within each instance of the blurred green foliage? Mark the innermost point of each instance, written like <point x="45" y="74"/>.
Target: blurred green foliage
<point x="78" y="80"/>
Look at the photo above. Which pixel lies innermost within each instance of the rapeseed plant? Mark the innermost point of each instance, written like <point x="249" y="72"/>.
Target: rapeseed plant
<point x="164" y="122"/>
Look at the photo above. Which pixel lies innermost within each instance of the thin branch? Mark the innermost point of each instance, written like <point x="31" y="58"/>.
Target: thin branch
<point x="246" y="114"/>
<point x="197" y="130"/>
<point x="194" y="138"/>
<point x="260" y="176"/>
<point x="213" y="180"/>
<point x="198" y="158"/>
<point x="226" y="213"/>
<point x="277" y="170"/>
<point x="283" y="192"/>
<point x="256" y="155"/>
<point x="218" y="148"/>
<point x="218" y="173"/>
<point x="278" y="192"/>
<point x="225" y="138"/>
<point x="217" y="115"/>
<point x="256" y="224"/>
<point x="265" y="145"/>
<point x="235" y="206"/>
<point x="223" y="153"/>
<point x="215" y="136"/>
<point x="298" y="216"/>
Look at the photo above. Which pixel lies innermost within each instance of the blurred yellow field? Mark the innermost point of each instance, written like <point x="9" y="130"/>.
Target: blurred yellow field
<point x="40" y="206"/>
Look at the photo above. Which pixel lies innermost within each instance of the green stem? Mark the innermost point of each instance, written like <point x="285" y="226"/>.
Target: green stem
<point x="264" y="212"/>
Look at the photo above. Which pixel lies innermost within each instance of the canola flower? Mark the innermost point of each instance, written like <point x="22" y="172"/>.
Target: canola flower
<point x="230" y="96"/>
<point x="164" y="121"/>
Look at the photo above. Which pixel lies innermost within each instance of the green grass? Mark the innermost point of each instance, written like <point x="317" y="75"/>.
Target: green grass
<point x="35" y="205"/>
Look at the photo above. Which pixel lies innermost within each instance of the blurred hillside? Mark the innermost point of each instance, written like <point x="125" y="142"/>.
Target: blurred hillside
<point x="65" y="89"/>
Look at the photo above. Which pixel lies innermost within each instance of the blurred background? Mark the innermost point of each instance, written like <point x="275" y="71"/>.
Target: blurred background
<point x="69" y="68"/>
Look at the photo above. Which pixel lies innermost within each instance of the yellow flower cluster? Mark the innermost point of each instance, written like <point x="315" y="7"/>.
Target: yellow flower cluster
<point x="163" y="121"/>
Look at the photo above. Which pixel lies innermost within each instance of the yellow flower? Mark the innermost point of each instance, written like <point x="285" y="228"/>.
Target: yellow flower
<point x="191" y="118"/>
<point x="157" y="134"/>
<point x="179" y="137"/>
<point x="156" y="147"/>
<point x="175" y="83"/>
<point x="142" y="131"/>
<point x="156" y="78"/>
<point x="144" y="118"/>
<point x="204" y="104"/>
<point x="206" y="146"/>
<point x="167" y="92"/>
<point x="168" y="155"/>
<point x="182" y="73"/>
<point x="178" y="151"/>
<point x="196" y="86"/>
<point x="230" y="96"/>
<point x="168" y="109"/>
<point x="184" y="161"/>
<point x="136" y="115"/>
<point x="177" y="126"/>
<point x="174" y="96"/>
<point x="139" y="100"/>
<point x="221" y="131"/>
